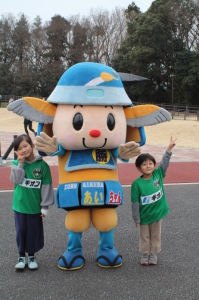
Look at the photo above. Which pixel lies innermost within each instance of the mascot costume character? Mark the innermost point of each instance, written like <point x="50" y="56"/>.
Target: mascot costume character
<point x="90" y="122"/>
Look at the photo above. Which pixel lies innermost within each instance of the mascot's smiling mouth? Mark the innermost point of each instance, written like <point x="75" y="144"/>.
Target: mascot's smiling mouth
<point x="83" y="141"/>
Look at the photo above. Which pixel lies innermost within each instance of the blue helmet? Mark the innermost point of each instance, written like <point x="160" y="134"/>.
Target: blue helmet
<point x="90" y="83"/>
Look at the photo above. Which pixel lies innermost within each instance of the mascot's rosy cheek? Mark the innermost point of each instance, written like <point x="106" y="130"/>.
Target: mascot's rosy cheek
<point x="117" y="140"/>
<point x="69" y="140"/>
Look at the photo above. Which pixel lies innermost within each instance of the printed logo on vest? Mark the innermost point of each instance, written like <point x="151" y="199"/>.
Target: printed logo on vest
<point x="96" y="199"/>
<point x="70" y="186"/>
<point x="152" y="198"/>
<point x="114" y="198"/>
<point x="30" y="183"/>
<point x="156" y="184"/>
<point x="92" y="184"/>
<point x="101" y="156"/>
<point x="92" y="193"/>
<point x="37" y="173"/>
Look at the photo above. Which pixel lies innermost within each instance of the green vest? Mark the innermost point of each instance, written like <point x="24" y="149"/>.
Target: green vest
<point x="151" y="196"/>
<point x="27" y="195"/>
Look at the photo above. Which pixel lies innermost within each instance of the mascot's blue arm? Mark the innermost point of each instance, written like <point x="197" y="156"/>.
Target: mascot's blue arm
<point x="115" y="154"/>
<point x="61" y="151"/>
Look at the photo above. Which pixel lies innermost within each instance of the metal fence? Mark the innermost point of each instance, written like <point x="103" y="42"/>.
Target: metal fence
<point x="4" y="99"/>
<point x="178" y="111"/>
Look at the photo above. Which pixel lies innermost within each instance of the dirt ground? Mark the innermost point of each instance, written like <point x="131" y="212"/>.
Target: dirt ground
<point x="186" y="131"/>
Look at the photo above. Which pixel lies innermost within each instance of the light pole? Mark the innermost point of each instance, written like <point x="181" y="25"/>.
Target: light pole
<point x="14" y="89"/>
<point x="172" y="75"/>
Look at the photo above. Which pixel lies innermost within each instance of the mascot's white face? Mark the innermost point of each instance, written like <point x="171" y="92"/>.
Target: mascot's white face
<point x="86" y="127"/>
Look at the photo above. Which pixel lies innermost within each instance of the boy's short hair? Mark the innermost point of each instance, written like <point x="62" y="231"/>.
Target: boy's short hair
<point x="144" y="157"/>
<point x="21" y="138"/>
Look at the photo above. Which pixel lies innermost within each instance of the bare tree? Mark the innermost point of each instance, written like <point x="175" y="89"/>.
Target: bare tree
<point x="118" y="32"/>
<point x="185" y="15"/>
<point x="77" y="41"/>
<point x="34" y="56"/>
<point x="105" y="31"/>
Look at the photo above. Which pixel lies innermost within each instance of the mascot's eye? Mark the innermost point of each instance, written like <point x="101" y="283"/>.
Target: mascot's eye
<point x="110" y="122"/>
<point x="78" y="121"/>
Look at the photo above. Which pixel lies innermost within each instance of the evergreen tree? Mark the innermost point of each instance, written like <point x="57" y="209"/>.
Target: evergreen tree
<point x="152" y="50"/>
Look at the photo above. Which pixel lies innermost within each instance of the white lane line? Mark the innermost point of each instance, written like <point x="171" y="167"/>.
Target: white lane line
<point x="185" y="183"/>
<point x="188" y="183"/>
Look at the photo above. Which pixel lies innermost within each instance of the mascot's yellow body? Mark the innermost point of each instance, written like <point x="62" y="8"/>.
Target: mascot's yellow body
<point x="89" y="122"/>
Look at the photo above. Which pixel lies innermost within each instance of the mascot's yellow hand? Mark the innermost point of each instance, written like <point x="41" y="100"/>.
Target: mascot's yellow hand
<point x="46" y="144"/>
<point x="129" y="150"/>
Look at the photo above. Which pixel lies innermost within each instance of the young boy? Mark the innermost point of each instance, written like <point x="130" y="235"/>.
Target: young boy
<point x="149" y="204"/>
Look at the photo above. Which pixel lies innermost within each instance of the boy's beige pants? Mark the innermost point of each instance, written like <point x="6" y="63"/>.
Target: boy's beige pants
<point x="150" y="237"/>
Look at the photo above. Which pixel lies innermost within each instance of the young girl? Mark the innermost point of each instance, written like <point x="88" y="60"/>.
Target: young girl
<point x="33" y="193"/>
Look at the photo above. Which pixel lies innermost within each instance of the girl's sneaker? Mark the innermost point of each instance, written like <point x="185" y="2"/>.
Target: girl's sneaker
<point x="144" y="259"/>
<point x="21" y="263"/>
<point x="153" y="260"/>
<point x="32" y="264"/>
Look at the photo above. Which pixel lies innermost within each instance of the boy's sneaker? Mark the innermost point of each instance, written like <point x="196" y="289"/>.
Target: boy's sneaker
<point x="144" y="259"/>
<point x="153" y="260"/>
<point x="21" y="263"/>
<point x="32" y="264"/>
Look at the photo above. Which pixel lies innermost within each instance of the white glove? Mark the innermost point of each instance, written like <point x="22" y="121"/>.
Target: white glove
<point x="129" y="150"/>
<point x="46" y="144"/>
<point x="44" y="211"/>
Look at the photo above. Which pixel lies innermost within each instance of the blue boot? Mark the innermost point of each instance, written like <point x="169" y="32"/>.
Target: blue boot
<point x="73" y="257"/>
<point x="107" y="256"/>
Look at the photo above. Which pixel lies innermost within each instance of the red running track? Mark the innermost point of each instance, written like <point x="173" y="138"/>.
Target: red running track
<point x="178" y="172"/>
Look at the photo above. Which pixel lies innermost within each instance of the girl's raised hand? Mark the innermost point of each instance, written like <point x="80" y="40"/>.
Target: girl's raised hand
<point x="20" y="157"/>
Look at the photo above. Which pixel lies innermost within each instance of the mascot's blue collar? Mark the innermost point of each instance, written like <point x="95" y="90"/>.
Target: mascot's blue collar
<point x="89" y="159"/>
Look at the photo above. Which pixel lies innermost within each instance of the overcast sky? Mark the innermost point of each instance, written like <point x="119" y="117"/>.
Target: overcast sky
<point x="48" y="8"/>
